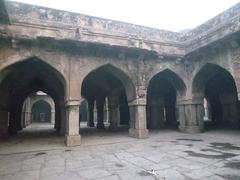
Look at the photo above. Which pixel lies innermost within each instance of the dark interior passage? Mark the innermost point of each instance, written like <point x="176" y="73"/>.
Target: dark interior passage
<point x="41" y="112"/>
<point x="23" y="79"/>
<point x="218" y="88"/>
<point x="161" y="100"/>
<point x="105" y="93"/>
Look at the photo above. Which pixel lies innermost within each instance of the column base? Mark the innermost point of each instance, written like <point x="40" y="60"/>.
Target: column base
<point x="100" y="126"/>
<point x="191" y="129"/>
<point x="72" y="140"/>
<point x="138" y="133"/>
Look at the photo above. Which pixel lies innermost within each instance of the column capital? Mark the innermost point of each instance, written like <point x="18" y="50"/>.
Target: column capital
<point x="72" y="103"/>
<point x="138" y="102"/>
<point x="141" y="91"/>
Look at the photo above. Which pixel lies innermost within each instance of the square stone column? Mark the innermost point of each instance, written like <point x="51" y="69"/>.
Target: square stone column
<point x="190" y="115"/>
<point x="73" y="137"/>
<point x="53" y="116"/>
<point x="138" y="120"/>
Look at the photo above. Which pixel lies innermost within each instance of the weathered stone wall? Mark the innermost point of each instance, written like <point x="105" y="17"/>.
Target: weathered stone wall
<point x="75" y="67"/>
<point x="75" y="45"/>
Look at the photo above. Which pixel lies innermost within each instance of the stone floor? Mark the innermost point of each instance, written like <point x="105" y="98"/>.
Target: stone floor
<point x="167" y="155"/>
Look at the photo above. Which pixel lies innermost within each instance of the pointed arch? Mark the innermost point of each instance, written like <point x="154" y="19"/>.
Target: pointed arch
<point x="109" y="70"/>
<point x="162" y="93"/>
<point x="9" y="66"/>
<point x="20" y="79"/>
<point x="40" y="108"/>
<point x="173" y="78"/>
<point x="217" y="86"/>
<point x="207" y="72"/>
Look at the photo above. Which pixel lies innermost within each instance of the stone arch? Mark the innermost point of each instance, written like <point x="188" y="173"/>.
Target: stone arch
<point x="27" y="76"/>
<point x="206" y="72"/>
<point x="49" y="101"/>
<point x="27" y="118"/>
<point x="41" y="111"/>
<point x="18" y="58"/>
<point x="217" y="86"/>
<point x="121" y="75"/>
<point x="178" y="72"/>
<point x="175" y="79"/>
<point x="163" y="90"/>
<point x="109" y="86"/>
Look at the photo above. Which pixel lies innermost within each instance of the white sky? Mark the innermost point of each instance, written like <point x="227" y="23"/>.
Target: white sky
<point x="173" y="15"/>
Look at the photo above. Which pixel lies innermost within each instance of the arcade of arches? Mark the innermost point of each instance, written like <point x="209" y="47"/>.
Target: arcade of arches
<point x="110" y="99"/>
<point x="68" y="69"/>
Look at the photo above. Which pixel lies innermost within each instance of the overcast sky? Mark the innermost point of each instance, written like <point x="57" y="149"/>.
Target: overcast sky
<point x="173" y="15"/>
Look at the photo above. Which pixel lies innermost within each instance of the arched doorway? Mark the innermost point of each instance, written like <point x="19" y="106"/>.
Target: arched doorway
<point x="41" y="112"/>
<point x="162" y="92"/>
<point x="107" y="91"/>
<point x="22" y="79"/>
<point x="217" y="86"/>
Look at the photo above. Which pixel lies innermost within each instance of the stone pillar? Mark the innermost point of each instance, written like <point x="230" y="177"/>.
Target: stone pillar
<point x="114" y="113"/>
<point x="3" y="123"/>
<point x="28" y="115"/>
<point x="52" y="116"/>
<point x="107" y="110"/>
<point x="27" y="112"/>
<point x="73" y="137"/>
<point x="190" y="114"/>
<point x="156" y="114"/>
<point x="137" y="110"/>
<point x="100" y="113"/>
<point x="91" y="113"/>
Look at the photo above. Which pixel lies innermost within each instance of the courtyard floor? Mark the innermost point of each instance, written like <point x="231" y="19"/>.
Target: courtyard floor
<point x="166" y="155"/>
